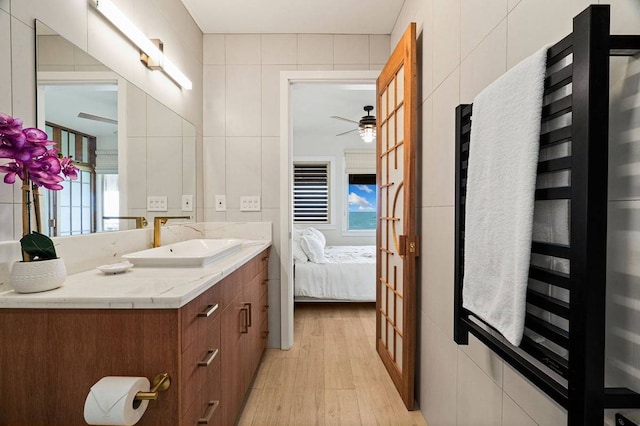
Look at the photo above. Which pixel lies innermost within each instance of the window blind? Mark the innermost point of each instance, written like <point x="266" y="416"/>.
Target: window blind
<point x="311" y="193"/>
<point x="360" y="162"/>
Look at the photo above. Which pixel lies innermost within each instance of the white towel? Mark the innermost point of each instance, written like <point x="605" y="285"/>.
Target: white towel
<point x="503" y="157"/>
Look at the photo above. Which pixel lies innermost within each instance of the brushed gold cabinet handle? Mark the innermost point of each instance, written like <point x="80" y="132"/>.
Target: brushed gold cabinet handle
<point x="211" y="408"/>
<point x="249" y="322"/>
<point x="212" y="355"/>
<point x="208" y="311"/>
<point x="246" y="319"/>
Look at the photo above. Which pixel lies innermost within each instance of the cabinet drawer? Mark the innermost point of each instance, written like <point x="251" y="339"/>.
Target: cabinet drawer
<point x="206" y="409"/>
<point x="198" y="361"/>
<point x="198" y="315"/>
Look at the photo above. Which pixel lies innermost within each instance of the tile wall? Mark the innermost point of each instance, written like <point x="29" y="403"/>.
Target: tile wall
<point x="242" y="119"/>
<point x="463" y="46"/>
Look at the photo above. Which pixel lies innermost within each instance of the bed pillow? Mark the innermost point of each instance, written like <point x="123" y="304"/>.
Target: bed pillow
<point x="313" y="248"/>
<point x="319" y="235"/>
<point x="299" y="255"/>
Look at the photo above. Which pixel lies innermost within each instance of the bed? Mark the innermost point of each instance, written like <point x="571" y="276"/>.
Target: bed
<point x="348" y="273"/>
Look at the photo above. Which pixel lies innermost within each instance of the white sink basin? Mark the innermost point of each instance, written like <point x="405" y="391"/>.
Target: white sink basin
<point x="192" y="253"/>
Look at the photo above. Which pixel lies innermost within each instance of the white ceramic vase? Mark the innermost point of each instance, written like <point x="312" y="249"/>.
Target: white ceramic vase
<point x="41" y="275"/>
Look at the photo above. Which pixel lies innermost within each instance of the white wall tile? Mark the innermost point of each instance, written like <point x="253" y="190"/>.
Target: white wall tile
<point x="55" y="50"/>
<point x="512" y="415"/>
<point x="161" y="121"/>
<point x="242" y="49"/>
<point x="214" y="100"/>
<point x="235" y="215"/>
<point x="485" y="64"/>
<point x="136" y="112"/>
<point x="351" y="49"/>
<point x="57" y="15"/>
<point x="525" y="36"/>
<point x="351" y="67"/>
<point x="376" y="67"/>
<point x="426" y="111"/>
<point x="477" y="20"/>
<point x="625" y="16"/>
<point x="23" y="72"/>
<point x="5" y="66"/>
<point x="5" y="5"/>
<point x="439" y="153"/>
<point x="479" y="398"/>
<point x="279" y="49"/>
<point x="243" y="172"/>
<point x="213" y="49"/>
<point x="484" y="358"/>
<point x="315" y="49"/>
<point x="534" y="402"/>
<point x="379" y="48"/>
<point x="513" y="3"/>
<point x="438" y="375"/>
<point x="7" y="219"/>
<point x="214" y="169"/>
<point x="243" y="104"/>
<point x="407" y="15"/>
<point x="188" y="166"/>
<point x="137" y="172"/>
<point x="165" y="154"/>
<point x="436" y="264"/>
<point x="270" y="173"/>
<point x="446" y="38"/>
<point x="108" y="46"/>
<point x="6" y="191"/>
<point x="424" y="22"/>
<point x="319" y="67"/>
<point x="271" y="98"/>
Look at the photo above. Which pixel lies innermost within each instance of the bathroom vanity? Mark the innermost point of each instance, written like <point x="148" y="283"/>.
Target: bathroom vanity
<point x="206" y="327"/>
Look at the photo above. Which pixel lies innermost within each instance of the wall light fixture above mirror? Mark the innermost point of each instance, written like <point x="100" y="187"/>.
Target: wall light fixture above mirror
<point x="151" y="51"/>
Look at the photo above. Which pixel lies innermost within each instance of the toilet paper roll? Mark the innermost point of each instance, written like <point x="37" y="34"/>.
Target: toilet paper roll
<point x="111" y="401"/>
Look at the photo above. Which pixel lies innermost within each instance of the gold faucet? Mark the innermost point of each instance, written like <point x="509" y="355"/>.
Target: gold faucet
<point x="141" y="221"/>
<point x="158" y="221"/>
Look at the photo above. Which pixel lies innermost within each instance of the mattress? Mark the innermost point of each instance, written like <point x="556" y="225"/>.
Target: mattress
<point x="349" y="274"/>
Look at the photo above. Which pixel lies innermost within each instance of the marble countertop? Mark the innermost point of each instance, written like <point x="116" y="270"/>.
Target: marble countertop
<point x="137" y="288"/>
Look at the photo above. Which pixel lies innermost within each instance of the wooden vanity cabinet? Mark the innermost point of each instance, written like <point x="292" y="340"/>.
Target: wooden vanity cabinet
<point x="50" y="358"/>
<point x="241" y="335"/>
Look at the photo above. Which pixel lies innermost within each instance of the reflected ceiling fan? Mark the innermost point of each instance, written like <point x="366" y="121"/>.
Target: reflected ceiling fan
<point x="366" y="125"/>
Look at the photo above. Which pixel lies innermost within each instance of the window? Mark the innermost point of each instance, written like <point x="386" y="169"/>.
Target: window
<point x="362" y="199"/>
<point x="311" y="192"/>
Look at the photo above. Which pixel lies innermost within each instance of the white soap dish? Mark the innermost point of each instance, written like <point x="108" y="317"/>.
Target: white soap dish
<point x="115" y="268"/>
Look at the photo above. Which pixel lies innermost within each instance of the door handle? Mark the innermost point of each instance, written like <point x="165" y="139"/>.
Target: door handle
<point x="245" y="322"/>
<point x="250" y="314"/>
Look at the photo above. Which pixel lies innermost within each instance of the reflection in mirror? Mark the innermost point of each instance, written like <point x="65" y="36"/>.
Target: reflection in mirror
<point x="127" y="145"/>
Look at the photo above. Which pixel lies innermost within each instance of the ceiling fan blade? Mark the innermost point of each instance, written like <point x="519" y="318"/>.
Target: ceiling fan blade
<point x="344" y="119"/>
<point x="97" y="118"/>
<point x="344" y="133"/>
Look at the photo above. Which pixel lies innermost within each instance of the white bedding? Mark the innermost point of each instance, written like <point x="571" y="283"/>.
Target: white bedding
<point x="349" y="274"/>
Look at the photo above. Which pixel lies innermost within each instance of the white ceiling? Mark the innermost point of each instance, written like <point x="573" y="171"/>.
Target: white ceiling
<point x="295" y="16"/>
<point x="315" y="103"/>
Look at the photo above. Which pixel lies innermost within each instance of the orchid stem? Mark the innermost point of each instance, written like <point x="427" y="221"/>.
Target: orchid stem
<point x="36" y="207"/>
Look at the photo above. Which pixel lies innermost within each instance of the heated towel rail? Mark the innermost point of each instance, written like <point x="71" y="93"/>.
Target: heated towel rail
<point x="570" y="369"/>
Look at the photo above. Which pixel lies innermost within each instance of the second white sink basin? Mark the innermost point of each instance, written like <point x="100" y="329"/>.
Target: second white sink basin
<point x="191" y="253"/>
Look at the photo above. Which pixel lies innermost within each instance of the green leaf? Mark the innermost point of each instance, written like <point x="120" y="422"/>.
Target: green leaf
<point x="38" y="246"/>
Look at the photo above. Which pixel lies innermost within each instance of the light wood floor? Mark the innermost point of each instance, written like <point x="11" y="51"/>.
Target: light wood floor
<point x="331" y="376"/>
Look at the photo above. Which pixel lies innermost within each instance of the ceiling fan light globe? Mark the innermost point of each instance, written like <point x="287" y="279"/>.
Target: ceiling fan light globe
<point x="368" y="134"/>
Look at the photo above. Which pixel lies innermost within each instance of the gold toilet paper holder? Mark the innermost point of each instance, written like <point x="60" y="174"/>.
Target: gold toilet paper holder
<point x="160" y="383"/>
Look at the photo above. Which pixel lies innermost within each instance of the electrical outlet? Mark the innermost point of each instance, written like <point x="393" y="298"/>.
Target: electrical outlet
<point x="187" y="203"/>
<point x="250" y="203"/>
<point x="221" y="203"/>
<point x="156" y="204"/>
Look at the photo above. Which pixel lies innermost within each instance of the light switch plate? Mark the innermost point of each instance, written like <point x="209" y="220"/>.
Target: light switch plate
<point x="221" y="203"/>
<point x="157" y="204"/>
<point x="187" y="203"/>
<point x="250" y="203"/>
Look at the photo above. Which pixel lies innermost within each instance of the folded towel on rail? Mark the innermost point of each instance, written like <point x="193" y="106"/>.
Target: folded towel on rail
<point x="501" y="180"/>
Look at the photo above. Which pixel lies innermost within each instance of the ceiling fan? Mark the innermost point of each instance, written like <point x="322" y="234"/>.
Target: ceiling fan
<point x="366" y="125"/>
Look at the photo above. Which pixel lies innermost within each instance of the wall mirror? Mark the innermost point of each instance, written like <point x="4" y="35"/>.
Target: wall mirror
<point x="127" y="145"/>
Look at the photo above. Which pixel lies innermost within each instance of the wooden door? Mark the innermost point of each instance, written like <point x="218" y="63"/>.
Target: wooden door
<point x="396" y="235"/>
